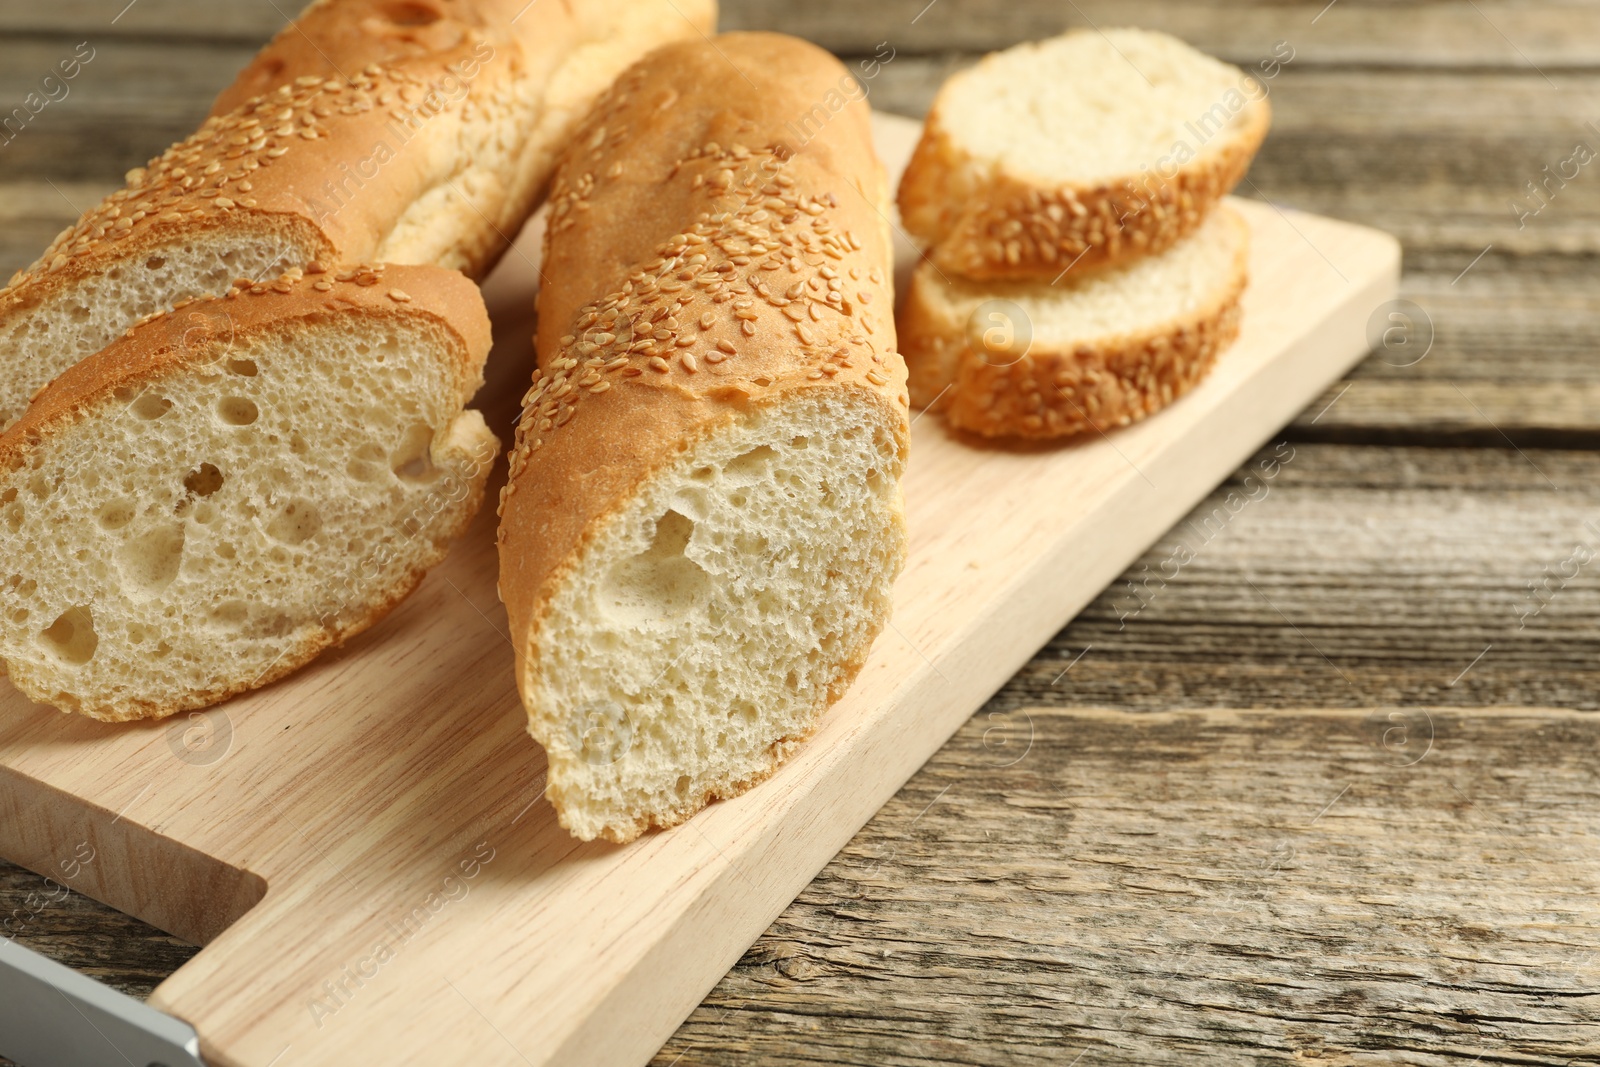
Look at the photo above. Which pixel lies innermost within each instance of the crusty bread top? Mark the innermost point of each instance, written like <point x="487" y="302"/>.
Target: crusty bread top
<point x="333" y="38"/>
<point x="202" y="331"/>
<point x="271" y="156"/>
<point x="283" y="156"/>
<point x="758" y="259"/>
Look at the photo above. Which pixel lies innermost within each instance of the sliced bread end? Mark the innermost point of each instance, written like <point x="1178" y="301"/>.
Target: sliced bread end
<point x="692" y="642"/>
<point x="1091" y="353"/>
<point x="207" y="504"/>
<point x="1083" y="151"/>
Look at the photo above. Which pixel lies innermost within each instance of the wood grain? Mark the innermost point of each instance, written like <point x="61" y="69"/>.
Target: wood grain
<point x="1550" y="35"/>
<point x="1376" y="886"/>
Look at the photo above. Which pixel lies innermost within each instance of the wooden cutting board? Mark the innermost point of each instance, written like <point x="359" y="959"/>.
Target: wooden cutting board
<point x="364" y="851"/>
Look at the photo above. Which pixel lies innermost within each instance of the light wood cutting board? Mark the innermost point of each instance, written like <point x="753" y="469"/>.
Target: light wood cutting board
<point x="363" y="848"/>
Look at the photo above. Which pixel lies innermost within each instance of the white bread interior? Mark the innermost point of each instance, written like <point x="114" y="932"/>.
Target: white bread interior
<point x="693" y="642"/>
<point x="1086" y="107"/>
<point x="203" y="532"/>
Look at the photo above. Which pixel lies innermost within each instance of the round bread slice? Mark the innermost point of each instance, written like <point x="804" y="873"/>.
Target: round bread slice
<point x="1021" y="359"/>
<point x="203" y="506"/>
<point x="704" y="521"/>
<point x="1079" y="152"/>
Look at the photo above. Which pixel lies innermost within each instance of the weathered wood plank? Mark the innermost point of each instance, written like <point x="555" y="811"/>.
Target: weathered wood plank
<point x="1491" y="33"/>
<point x="128" y="103"/>
<point x="1532" y="36"/>
<point x="1211" y="887"/>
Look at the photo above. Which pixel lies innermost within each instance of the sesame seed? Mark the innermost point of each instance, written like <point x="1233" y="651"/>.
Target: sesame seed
<point x="659" y="364"/>
<point x="399" y="296"/>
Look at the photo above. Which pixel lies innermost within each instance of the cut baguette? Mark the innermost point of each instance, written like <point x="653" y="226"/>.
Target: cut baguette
<point x="1030" y="359"/>
<point x="1080" y="152"/>
<point x="704" y="518"/>
<point x="202" y="507"/>
<point x="436" y="156"/>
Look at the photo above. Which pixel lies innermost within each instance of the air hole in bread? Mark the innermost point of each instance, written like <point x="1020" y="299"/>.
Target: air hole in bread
<point x="296" y="524"/>
<point x="155" y="263"/>
<point x="232" y="614"/>
<point x="150" y="561"/>
<point x="237" y="411"/>
<point x="245" y="368"/>
<point x="411" y="461"/>
<point x="752" y="465"/>
<point x="115" y="514"/>
<point x="203" y="481"/>
<point x="72" y="636"/>
<point x="661" y="583"/>
<point x="151" y="407"/>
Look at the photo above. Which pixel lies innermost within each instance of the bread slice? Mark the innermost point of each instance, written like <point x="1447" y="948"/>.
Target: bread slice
<point x="704" y="518"/>
<point x="200" y="508"/>
<point x="1079" y="152"/>
<point x="1030" y="359"/>
<point x="435" y="156"/>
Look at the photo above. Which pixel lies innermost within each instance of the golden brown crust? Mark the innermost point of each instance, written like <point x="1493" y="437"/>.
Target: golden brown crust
<point x="331" y="38"/>
<point x="1052" y="393"/>
<point x="701" y="261"/>
<point x="203" y="331"/>
<point x="988" y="224"/>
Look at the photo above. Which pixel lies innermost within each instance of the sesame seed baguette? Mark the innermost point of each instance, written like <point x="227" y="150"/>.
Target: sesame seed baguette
<point x="436" y="155"/>
<point x="704" y="518"/>
<point x="1097" y="351"/>
<point x="203" y="506"/>
<point x="1083" y="151"/>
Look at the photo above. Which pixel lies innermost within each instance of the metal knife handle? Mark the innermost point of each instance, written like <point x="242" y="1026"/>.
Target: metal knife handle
<point x="52" y="1016"/>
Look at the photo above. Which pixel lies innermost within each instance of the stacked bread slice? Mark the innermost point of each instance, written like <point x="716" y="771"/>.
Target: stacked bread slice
<point x="1079" y="272"/>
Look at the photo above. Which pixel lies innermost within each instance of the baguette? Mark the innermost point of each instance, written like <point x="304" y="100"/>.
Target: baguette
<point x="1096" y="351"/>
<point x="435" y="156"/>
<point x="1080" y="152"/>
<point x="203" y="506"/>
<point x="704" y="518"/>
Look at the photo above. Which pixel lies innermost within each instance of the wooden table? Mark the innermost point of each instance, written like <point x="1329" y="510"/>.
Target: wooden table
<point x="1328" y="796"/>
